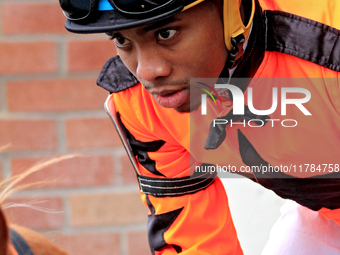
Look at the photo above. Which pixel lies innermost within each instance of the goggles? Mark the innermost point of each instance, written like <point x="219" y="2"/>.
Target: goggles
<point x="81" y="9"/>
<point x="115" y="15"/>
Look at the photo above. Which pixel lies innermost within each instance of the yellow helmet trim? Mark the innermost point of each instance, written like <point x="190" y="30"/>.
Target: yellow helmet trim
<point x="232" y="21"/>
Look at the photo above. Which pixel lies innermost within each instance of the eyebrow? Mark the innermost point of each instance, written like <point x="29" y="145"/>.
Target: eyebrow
<point x="158" y="24"/>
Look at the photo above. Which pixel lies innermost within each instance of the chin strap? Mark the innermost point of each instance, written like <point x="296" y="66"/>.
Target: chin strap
<point x="236" y="43"/>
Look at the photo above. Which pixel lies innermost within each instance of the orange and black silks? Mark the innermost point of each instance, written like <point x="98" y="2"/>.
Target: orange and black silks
<point x="199" y="221"/>
<point x="310" y="40"/>
<point x="187" y="223"/>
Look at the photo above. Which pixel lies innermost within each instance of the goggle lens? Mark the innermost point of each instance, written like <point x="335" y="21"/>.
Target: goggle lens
<point x="140" y="6"/>
<point x="76" y="9"/>
<point x="80" y="9"/>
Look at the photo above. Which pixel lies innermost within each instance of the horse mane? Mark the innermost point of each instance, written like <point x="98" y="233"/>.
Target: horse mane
<point x="38" y="243"/>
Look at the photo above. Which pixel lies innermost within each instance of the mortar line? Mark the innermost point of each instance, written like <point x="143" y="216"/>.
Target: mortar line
<point x="124" y="243"/>
<point x="62" y="57"/>
<point x="61" y="135"/>
<point x="3" y="97"/>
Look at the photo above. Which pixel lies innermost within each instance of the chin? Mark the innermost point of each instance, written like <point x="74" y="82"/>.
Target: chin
<point x="182" y="110"/>
<point x="186" y="108"/>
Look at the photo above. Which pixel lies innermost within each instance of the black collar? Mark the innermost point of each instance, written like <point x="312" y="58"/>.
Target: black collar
<point x="115" y="77"/>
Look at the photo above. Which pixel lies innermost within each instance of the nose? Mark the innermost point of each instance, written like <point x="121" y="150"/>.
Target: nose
<point x="151" y="65"/>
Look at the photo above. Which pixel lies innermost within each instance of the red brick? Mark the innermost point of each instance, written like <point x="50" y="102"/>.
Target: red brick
<point x="120" y="208"/>
<point x="26" y="135"/>
<point x="91" y="133"/>
<point x="89" y="55"/>
<point x="138" y="243"/>
<point x="32" y="18"/>
<point x="127" y="171"/>
<point x="55" y="95"/>
<point x="107" y="243"/>
<point x="84" y="171"/>
<point x="51" y="218"/>
<point x="28" y="57"/>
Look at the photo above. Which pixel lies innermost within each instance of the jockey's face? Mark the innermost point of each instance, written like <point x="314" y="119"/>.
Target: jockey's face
<point x="165" y="55"/>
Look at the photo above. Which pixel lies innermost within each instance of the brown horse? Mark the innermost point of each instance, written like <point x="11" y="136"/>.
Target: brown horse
<point x="17" y="240"/>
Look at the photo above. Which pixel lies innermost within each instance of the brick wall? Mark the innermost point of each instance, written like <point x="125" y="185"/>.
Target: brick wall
<point x="50" y="105"/>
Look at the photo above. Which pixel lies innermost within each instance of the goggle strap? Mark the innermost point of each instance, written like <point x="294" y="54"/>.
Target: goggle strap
<point x="192" y="4"/>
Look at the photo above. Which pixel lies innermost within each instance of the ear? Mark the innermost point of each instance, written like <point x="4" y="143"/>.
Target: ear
<point x="4" y="234"/>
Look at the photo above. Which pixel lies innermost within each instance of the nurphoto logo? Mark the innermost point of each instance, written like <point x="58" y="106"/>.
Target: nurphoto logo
<point x="239" y="105"/>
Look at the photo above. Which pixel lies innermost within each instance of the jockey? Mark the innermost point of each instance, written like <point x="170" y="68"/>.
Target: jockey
<point x="162" y="44"/>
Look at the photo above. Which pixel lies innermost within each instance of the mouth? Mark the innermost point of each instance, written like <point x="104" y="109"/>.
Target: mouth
<point x="171" y="98"/>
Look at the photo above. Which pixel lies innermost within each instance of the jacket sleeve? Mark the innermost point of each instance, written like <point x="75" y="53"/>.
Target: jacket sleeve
<point x="196" y="222"/>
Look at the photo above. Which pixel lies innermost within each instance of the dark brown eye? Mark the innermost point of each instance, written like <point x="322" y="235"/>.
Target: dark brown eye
<point x="166" y="34"/>
<point x="121" y="41"/>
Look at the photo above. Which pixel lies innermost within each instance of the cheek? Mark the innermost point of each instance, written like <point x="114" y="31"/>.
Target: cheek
<point x="209" y="60"/>
<point x="214" y="47"/>
<point x="205" y="55"/>
<point x="217" y="60"/>
<point x="129" y="60"/>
